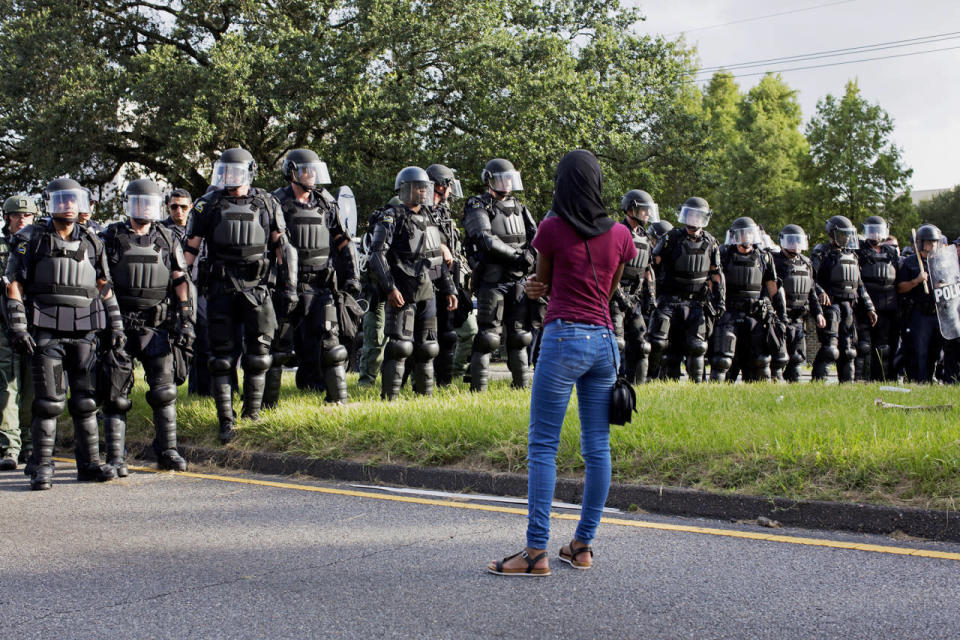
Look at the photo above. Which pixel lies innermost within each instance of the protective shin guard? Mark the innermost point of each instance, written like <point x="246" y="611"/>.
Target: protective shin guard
<point x="255" y="369"/>
<point x="423" y="377"/>
<point x="443" y="364"/>
<point x="336" y="382"/>
<point x="271" y="387"/>
<point x="114" y="433"/>
<point x="517" y="363"/>
<point x="695" y="368"/>
<point x="479" y="371"/>
<point x="165" y="443"/>
<point x="44" y="434"/>
<point x="87" y="443"/>
<point x="391" y="376"/>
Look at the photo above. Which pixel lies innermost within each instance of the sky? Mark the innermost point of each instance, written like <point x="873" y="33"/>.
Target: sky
<point x="920" y="92"/>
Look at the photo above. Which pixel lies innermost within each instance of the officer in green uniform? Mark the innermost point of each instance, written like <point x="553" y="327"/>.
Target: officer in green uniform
<point x="15" y="443"/>
<point x="374" y="339"/>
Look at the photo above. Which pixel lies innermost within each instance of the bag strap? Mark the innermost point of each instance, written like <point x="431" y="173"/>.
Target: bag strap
<point x="604" y="305"/>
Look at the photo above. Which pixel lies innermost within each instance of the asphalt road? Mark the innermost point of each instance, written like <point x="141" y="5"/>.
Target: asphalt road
<point x="173" y="555"/>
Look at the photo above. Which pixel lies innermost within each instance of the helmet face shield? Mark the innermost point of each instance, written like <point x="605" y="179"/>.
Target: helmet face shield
<point x="310" y="174"/>
<point x="505" y="181"/>
<point x="746" y="236"/>
<point x="693" y="217"/>
<point x="794" y="242"/>
<point x="846" y="238"/>
<point x="415" y="193"/>
<point x="143" y="207"/>
<point x="647" y="212"/>
<point x="454" y="190"/>
<point x="230" y="175"/>
<point x="876" y="232"/>
<point x="68" y="203"/>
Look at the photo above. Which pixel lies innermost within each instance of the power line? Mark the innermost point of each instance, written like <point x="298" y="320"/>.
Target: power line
<point x="880" y="46"/>
<point x="835" y="64"/>
<point x="754" y="19"/>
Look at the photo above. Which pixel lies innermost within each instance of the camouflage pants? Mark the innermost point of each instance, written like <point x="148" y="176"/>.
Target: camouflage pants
<point x="11" y="375"/>
<point x="374" y="341"/>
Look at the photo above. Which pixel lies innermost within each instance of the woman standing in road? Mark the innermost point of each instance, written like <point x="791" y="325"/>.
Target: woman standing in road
<point x="581" y="254"/>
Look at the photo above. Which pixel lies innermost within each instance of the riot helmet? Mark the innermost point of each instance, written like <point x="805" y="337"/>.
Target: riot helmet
<point x="235" y="168"/>
<point x="142" y="200"/>
<point x="64" y="199"/>
<point x="793" y="239"/>
<point x="305" y="168"/>
<point x="875" y="230"/>
<point x="842" y="232"/>
<point x="444" y="176"/>
<point x="744" y="232"/>
<point x="929" y="233"/>
<point x="414" y="187"/>
<point x="501" y="176"/>
<point x="659" y="229"/>
<point x="640" y="202"/>
<point x="694" y="212"/>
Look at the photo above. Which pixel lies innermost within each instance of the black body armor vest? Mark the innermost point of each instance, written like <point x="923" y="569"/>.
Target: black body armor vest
<point x="633" y="271"/>
<point x="685" y="273"/>
<point x="141" y="273"/>
<point x="743" y="274"/>
<point x="63" y="274"/>
<point x="879" y="274"/>
<point x="797" y="277"/>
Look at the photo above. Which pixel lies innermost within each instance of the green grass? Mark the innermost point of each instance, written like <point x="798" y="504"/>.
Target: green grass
<point x="804" y="441"/>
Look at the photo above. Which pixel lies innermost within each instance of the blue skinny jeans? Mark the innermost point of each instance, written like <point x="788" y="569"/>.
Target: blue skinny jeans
<point x="571" y="354"/>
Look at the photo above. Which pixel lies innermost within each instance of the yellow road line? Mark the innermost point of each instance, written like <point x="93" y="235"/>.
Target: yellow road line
<point x="640" y="524"/>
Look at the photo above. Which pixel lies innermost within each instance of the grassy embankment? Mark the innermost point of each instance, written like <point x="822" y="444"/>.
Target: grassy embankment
<point x="805" y="441"/>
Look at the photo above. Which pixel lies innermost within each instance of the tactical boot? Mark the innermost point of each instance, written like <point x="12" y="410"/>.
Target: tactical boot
<point x="479" y="371"/>
<point x="41" y="478"/>
<point x="517" y="363"/>
<point x="114" y="432"/>
<point x="223" y="398"/>
<point x="8" y="463"/>
<point x="95" y="472"/>
<point x="171" y="460"/>
<point x="227" y="430"/>
<point x="336" y="383"/>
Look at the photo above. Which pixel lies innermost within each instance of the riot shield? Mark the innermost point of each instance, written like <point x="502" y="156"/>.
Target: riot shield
<point x="348" y="209"/>
<point x="945" y="277"/>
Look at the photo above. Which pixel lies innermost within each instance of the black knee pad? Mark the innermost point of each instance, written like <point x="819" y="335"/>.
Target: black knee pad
<point x="426" y="351"/>
<point x="334" y="355"/>
<point x="161" y="395"/>
<point x="119" y="405"/>
<point x="863" y="347"/>
<point x="696" y="347"/>
<point x="519" y="340"/>
<point x="48" y="407"/>
<point x="447" y="338"/>
<point x="82" y="404"/>
<point x="644" y="347"/>
<point x="221" y="365"/>
<point x="721" y="362"/>
<point x="831" y="352"/>
<point x="797" y="358"/>
<point x="398" y="349"/>
<point x="850" y="352"/>
<point x="487" y="341"/>
<point x="761" y="361"/>
<point x="256" y="362"/>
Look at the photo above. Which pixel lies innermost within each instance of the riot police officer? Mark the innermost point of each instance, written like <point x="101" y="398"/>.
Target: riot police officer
<point x="802" y="295"/>
<point x="838" y="272"/>
<point x="876" y="344"/>
<point x="635" y="298"/>
<point x="244" y="229"/>
<point x="457" y="330"/>
<point x="147" y="264"/>
<point x="922" y="340"/>
<point x="406" y="258"/>
<point x="326" y="261"/>
<point x="499" y="231"/>
<point x="15" y="444"/>
<point x="60" y="269"/>
<point x="740" y="337"/>
<point x="687" y="264"/>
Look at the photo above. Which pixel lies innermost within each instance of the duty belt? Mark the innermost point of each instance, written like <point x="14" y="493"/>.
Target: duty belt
<point x="146" y="319"/>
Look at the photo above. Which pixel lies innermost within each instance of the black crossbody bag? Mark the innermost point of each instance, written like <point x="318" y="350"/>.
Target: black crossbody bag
<point x="623" y="398"/>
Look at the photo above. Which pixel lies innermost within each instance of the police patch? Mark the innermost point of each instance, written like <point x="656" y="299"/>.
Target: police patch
<point x="387" y="219"/>
<point x="199" y="206"/>
<point x="22" y="248"/>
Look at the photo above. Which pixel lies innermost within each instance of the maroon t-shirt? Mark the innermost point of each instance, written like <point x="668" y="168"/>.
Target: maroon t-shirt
<point x="573" y="294"/>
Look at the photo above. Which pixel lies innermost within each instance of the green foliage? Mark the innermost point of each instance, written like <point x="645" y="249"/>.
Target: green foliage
<point x="943" y="210"/>
<point x="854" y="168"/>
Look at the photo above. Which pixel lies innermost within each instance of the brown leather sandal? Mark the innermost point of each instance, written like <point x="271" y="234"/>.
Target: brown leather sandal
<point x="571" y="558"/>
<point x="500" y="570"/>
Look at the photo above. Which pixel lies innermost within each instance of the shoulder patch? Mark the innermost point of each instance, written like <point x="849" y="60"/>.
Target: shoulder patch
<point x="387" y="218"/>
<point x="198" y="207"/>
<point x="22" y="248"/>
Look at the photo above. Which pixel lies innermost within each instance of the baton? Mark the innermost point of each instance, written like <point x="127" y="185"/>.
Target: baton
<point x="926" y="287"/>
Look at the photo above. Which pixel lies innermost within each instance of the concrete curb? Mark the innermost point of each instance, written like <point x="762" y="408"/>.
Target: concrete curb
<point x="862" y="518"/>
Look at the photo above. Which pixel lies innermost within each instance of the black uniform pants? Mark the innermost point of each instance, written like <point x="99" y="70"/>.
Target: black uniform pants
<point x="877" y="344"/>
<point x="502" y="312"/>
<point x="678" y="328"/>
<point x="411" y="330"/>
<point x="838" y="342"/>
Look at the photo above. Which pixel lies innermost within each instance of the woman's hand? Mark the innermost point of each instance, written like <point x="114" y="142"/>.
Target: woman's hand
<point x="535" y="289"/>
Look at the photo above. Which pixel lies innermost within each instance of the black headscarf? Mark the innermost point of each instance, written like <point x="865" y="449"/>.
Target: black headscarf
<point x="576" y="194"/>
